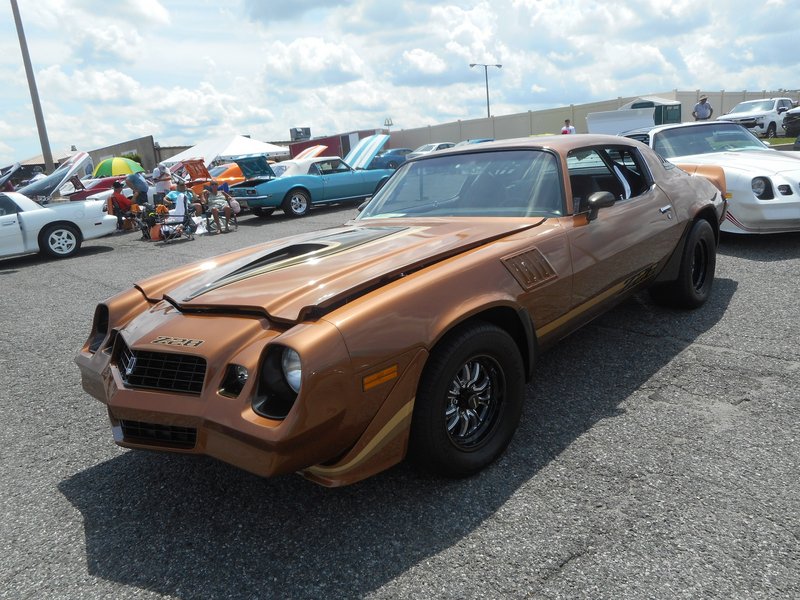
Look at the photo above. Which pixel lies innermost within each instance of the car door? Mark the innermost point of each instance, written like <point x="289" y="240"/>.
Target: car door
<point x="625" y="242"/>
<point x="340" y="181"/>
<point x="11" y="241"/>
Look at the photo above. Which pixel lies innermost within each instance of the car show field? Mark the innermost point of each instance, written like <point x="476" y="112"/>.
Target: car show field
<point x="656" y="457"/>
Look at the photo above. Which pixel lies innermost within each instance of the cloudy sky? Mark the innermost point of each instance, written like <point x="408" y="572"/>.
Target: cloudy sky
<point x="184" y="70"/>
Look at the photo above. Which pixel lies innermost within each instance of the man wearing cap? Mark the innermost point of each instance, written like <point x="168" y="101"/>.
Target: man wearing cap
<point x="119" y="203"/>
<point x="702" y="110"/>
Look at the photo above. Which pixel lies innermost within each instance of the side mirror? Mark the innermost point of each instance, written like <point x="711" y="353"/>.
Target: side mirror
<point x="599" y="200"/>
<point x="363" y="205"/>
<point x="782" y="109"/>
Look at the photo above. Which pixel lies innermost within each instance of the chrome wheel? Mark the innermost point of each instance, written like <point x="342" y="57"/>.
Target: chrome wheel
<point x="296" y="203"/>
<point x="468" y="402"/>
<point x="473" y="400"/>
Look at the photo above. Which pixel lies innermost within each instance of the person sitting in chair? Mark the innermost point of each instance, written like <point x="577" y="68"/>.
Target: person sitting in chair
<point x="119" y="203"/>
<point x="216" y="200"/>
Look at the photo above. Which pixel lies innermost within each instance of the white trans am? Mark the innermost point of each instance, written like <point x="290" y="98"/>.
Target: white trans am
<point x="763" y="184"/>
<point x="57" y="229"/>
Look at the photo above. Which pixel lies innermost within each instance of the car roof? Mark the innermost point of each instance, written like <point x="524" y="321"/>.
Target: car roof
<point x="559" y="143"/>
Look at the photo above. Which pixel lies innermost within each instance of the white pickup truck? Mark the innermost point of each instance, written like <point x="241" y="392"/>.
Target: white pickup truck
<point x="57" y="229"/>
<point x="762" y="117"/>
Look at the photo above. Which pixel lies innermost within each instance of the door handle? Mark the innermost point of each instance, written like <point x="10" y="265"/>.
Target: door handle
<point x="665" y="209"/>
<point x="7" y="223"/>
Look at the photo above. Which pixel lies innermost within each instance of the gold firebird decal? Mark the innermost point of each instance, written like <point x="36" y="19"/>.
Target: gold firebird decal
<point x="173" y="341"/>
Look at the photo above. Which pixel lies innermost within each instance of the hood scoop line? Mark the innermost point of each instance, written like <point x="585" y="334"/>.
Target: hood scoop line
<point x="297" y="254"/>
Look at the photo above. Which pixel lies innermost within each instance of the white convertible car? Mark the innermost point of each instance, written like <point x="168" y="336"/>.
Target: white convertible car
<point x="763" y="184"/>
<point x="57" y="229"/>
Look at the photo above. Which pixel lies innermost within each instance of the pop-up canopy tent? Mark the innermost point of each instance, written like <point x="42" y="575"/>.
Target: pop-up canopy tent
<point x="227" y="147"/>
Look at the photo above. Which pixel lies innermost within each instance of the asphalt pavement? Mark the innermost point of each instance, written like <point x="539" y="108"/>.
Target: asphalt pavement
<point x="658" y="457"/>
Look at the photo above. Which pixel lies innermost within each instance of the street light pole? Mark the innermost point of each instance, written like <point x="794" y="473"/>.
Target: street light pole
<point x="37" y="106"/>
<point x="486" y="75"/>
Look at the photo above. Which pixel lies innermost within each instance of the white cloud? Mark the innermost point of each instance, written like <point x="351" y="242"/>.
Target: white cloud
<point x="424" y="61"/>
<point x="183" y="70"/>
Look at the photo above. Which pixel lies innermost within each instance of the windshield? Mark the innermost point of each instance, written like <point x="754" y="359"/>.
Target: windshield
<point x="214" y="171"/>
<point x="705" y="139"/>
<point x="508" y="183"/>
<point x="425" y="148"/>
<point x="753" y="106"/>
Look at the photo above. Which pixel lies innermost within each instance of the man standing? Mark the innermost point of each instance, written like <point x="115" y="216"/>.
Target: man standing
<point x="162" y="178"/>
<point x="567" y="128"/>
<point x="702" y="110"/>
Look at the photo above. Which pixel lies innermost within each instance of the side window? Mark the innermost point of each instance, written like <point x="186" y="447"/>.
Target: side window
<point x="7" y="206"/>
<point x="615" y="169"/>
<point x="589" y="173"/>
<point x="629" y="167"/>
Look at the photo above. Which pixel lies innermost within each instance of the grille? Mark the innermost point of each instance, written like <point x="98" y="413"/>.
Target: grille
<point x="161" y="370"/>
<point x="151" y="433"/>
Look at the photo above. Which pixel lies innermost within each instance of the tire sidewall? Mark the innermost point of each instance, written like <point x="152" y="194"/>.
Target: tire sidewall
<point x="50" y="231"/>
<point x="701" y="233"/>
<point x="287" y="203"/>
<point x="430" y="445"/>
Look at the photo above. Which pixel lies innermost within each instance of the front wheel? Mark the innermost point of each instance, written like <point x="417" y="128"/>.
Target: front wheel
<point x="771" y="130"/>
<point x="693" y="286"/>
<point x="469" y="401"/>
<point x="296" y="203"/>
<point x="60" y="241"/>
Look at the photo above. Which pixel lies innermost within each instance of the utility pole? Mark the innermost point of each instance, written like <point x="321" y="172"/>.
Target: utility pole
<point x="37" y="106"/>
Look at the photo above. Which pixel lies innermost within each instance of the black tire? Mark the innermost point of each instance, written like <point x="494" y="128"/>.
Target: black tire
<point x="296" y="203"/>
<point x="693" y="286"/>
<point x="263" y="213"/>
<point x="771" y="130"/>
<point x="469" y="401"/>
<point x="60" y="241"/>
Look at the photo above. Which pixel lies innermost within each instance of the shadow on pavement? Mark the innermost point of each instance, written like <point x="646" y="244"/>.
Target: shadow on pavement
<point x="192" y="527"/>
<point x="763" y="248"/>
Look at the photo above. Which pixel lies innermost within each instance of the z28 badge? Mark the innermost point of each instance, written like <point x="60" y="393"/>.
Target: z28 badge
<point x="173" y="341"/>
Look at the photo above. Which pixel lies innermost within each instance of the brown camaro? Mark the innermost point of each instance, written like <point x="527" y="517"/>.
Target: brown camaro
<point x="412" y="329"/>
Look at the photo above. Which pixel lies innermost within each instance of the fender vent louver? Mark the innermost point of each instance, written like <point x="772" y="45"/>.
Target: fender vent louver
<point x="530" y="268"/>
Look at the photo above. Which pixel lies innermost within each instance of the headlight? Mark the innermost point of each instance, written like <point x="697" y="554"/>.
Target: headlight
<point x="279" y="382"/>
<point x="99" y="328"/>
<point x="762" y="188"/>
<point x="292" y="369"/>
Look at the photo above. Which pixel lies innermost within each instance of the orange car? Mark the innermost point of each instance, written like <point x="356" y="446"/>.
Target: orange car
<point x="412" y="329"/>
<point x="194" y="169"/>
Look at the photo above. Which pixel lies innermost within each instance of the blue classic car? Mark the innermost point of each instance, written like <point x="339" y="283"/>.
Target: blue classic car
<point x="390" y="159"/>
<point x="301" y="183"/>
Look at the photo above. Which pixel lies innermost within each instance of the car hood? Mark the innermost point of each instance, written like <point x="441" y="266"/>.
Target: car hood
<point x="366" y="149"/>
<point x="754" y="161"/>
<point x="743" y="115"/>
<point x="307" y="275"/>
<point x="255" y="167"/>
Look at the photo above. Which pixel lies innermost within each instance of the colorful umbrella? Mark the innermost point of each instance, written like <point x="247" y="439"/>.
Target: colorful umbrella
<point x="117" y="166"/>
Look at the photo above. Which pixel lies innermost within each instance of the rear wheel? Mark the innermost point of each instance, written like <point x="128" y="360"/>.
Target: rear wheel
<point x="60" y="241"/>
<point x="469" y="401"/>
<point x="693" y="286"/>
<point x="296" y="203"/>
